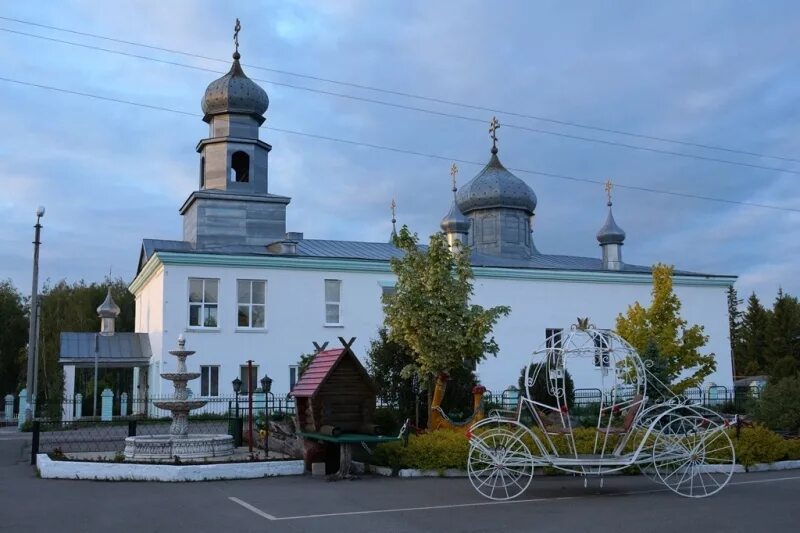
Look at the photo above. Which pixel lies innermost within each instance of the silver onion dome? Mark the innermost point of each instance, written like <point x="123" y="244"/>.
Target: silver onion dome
<point x="610" y="233"/>
<point x="235" y="93"/>
<point x="496" y="187"/>
<point x="109" y="308"/>
<point x="455" y="221"/>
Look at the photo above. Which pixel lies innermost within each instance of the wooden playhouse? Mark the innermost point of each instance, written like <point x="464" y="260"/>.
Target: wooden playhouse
<point x="335" y="394"/>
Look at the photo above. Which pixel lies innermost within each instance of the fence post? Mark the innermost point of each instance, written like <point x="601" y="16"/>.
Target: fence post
<point x="35" y="441"/>
<point x="78" y="406"/>
<point x="23" y="406"/>
<point x="107" y="402"/>
<point x="131" y="428"/>
<point x="123" y="404"/>
<point x="9" y="407"/>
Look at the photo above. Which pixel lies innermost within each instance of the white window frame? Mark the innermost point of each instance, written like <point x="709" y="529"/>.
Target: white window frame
<point x="202" y="304"/>
<point x="250" y="305"/>
<point x="337" y="303"/>
<point x="206" y="369"/>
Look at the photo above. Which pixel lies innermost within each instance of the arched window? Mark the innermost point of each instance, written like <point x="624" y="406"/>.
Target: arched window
<point x="202" y="172"/>
<point x="240" y="167"/>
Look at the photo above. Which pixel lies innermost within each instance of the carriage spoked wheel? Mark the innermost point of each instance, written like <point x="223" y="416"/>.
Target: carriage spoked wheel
<point x="693" y="456"/>
<point x="500" y="465"/>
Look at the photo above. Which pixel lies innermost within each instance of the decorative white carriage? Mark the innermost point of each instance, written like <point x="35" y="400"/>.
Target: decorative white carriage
<point x="639" y="423"/>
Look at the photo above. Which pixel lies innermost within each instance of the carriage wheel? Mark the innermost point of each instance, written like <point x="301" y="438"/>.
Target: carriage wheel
<point x="693" y="456"/>
<point x="500" y="465"/>
<point x="650" y="468"/>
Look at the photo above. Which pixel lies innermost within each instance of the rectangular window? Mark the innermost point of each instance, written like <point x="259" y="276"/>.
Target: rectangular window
<point x="602" y="349"/>
<point x="203" y="302"/>
<point x="387" y="291"/>
<point x="251" y="297"/>
<point x="292" y="376"/>
<point x="243" y="377"/>
<point x="333" y="293"/>
<point x="552" y="341"/>
<point x="209" y="381"/>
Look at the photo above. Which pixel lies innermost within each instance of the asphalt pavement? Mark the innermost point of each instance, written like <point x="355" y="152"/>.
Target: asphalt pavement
<point x="750" y="503"/>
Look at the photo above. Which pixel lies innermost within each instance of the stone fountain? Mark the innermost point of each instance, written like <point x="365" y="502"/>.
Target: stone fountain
<point x="179" y="443"/>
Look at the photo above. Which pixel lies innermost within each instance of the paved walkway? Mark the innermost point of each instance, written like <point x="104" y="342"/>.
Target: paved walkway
<point x="751" y="502"/>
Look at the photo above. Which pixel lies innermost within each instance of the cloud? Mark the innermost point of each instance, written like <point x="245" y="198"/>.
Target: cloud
<point x="700" y="72"/>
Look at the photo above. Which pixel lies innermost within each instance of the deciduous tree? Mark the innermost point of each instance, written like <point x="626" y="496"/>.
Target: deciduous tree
<point x="430" y="311"/>
<point x="678" y="344"/>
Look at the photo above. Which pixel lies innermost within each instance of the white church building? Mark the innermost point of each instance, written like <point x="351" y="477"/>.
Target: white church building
<point x="237" y="286"/>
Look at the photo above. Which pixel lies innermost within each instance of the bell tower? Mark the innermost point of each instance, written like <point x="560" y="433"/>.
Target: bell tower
<point x="232" y="204"/>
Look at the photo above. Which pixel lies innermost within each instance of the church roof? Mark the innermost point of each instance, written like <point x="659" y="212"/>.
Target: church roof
<point x="610" y="233"/>
<point x="235" y="93"/>
<point x="494" y="187"/>
<point x="119" y="349"/>
<point x="383" y="252"/>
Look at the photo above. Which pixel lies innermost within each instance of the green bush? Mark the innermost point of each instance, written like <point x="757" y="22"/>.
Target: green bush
<point x="437" y="450"/>
<point x="792" y="448"/>
<point x="444" y="449"/>
<point x="779" y="405"/>
<point x="758" y="445"/>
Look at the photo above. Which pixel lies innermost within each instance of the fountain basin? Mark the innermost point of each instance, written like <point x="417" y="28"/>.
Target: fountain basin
<point x="183" y="406"/>
<point x="180" y="376"/>
<point x="168" y="447"/>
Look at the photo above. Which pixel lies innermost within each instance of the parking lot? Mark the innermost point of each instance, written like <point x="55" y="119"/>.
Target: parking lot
<point x="751" y="502"/>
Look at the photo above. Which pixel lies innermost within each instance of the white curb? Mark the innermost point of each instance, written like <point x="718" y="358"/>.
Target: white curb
<point x="49" y="469"/>
<point x="452" y="472"/>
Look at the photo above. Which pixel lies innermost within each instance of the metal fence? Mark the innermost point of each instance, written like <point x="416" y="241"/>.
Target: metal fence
<point x="720" y="398"/>
<point x="93" y="437"/>
<point x="78" y="408"/>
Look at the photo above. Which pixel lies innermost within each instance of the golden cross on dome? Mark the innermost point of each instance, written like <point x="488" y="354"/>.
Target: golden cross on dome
<point x="608" y="187"/>
<point x="493" y="125"/>
<point x="236" y="30"/>
<point x="453" y="174"/>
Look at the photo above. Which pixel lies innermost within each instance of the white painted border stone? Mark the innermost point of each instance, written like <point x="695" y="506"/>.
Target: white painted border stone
<point x="452" y="472"/>
<point x="49" y="469"/>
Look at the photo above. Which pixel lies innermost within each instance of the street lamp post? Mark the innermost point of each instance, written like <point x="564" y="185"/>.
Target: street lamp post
<point x="237" y="422"/>
<point x="33" y="313"/>
<point x="237" y="386"/>
<point x="266" y="387"/>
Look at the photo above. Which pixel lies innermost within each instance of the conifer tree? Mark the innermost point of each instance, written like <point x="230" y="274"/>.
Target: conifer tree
<point x="751" y="350"/>
<point x="783" y="338"/>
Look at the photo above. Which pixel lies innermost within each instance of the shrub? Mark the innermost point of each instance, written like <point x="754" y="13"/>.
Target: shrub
<point x="758" y="445"/>
<point x="779" y="405"/>
<point x="792" y="448"/>
<point x="437" y="450"/>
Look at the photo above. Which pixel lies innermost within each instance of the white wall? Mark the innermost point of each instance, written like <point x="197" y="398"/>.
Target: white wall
<point x="150" y="313"/>
<point x="295" y="318"/>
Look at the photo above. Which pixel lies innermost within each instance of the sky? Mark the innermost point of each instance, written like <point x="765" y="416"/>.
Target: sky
<point x="723" y="74"/>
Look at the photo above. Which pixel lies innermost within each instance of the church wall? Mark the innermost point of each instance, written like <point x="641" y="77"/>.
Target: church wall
<point x="295" y="318"/>
<point x="537" y="305"/>
<point x="150" y="319"/>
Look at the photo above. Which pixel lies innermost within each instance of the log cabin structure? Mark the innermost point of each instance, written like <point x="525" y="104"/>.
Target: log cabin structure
<point x="335" y="394"/>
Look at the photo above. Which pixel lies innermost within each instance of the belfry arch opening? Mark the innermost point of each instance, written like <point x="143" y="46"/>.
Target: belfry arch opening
<point x="240" y="167"/>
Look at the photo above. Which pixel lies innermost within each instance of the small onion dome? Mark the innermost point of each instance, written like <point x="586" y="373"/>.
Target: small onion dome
<point x="235" y="93"/>
<point x="610" y="233"/>
<point x="455" y="221"/>
<point x="108" y="309"/>
<point x="494" y="187"/>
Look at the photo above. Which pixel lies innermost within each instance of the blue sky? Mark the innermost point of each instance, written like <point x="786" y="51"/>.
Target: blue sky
<point x="716" y="73"/>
